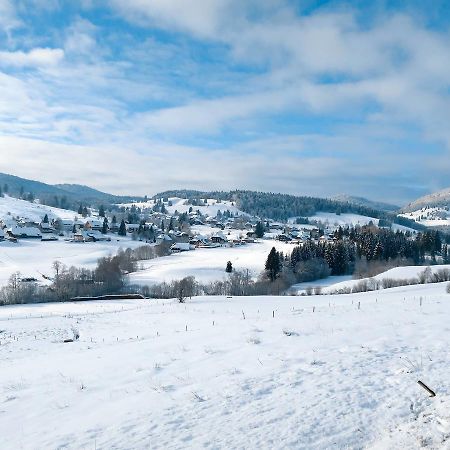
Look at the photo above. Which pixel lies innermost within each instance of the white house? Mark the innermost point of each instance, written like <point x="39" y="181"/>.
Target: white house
<point x="181" y="247"/>
<point x="25" y="232"/>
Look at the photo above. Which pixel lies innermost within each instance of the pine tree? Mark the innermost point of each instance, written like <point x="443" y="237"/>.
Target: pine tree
<point x="101" y="211"/>
<point x="105" y="226"/>
<point x="1" y="192"/>
<point x="80" y="209"/>
<point x="273" y="264"/>
<point x="85" y="212"/>
<point x="229" y="267"/>
<point x="259" y="230"/>
<point x="45" y="220"/>
<point x="122" y="229"/>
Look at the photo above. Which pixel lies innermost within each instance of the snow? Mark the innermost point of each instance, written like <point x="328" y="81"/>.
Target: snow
<point x="206" y="264"/>
<point x="397" y="273"/>
<point x="181" y="205"/>
<point x="430" y="216"/>
<point x="343" y="219"/>
<point x="343" y="376"/>
<point x="34" y="258"/>
<point x="35" y="212"/>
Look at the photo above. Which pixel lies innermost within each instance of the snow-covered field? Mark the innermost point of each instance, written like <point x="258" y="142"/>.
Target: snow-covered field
<point x="181" y="205"/>
<point x="256" y="373"/>
<point x="397" y="273"/>
<point x="343" y="219"/>
<point x="207" y="264"/>
<point x="10" y="206"/>
<point x="430" y="217"/>
<point x="34" y="258"/>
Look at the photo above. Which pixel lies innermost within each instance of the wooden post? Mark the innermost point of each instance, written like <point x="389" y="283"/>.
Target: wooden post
<point x="430" y="391"/>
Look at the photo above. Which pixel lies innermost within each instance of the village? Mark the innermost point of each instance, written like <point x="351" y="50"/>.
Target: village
<point x="183" y="231"/>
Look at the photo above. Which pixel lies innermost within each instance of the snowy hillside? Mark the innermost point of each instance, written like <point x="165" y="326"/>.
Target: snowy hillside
<point x="34" y="258"/>
<point x="397" y="273"/>
<point x="182" y="205"/>
<point x="10" y="206"/>
<point x="436" y="199"/>
<point x="207" y="264"/>
<point x="344" y="219"/>
<point x="430" y="216"/>
<point x="264" y="372"/>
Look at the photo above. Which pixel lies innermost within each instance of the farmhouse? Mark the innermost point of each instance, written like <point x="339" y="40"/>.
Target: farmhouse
<point x="93" y="224"/>
<point x="219" y="238"/>
<point x="181" y="247"/>
<point x="25" y="232"/>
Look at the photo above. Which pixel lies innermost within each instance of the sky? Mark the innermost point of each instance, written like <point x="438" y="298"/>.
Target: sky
<point x="305" y="97"/>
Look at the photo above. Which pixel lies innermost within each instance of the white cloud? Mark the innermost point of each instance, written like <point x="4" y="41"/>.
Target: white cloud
<point x="8" y="16"/>
<point x="37" y="57"/>
<point x="200" y="17"/>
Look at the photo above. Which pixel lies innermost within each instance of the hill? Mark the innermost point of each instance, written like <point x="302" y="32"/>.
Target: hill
<point x="361" y="201"/>
<point x="276" y="206"/>
<point x="436" y="199"/>
<point x="66" y="196"/>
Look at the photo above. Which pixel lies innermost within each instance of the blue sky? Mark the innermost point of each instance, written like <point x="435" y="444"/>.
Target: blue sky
<point x="305" y="97"/>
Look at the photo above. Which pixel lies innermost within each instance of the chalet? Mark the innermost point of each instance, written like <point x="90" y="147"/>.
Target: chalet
<point x="67" y="224"/>
<point x="283" y="238"/>
<point x="132" y="227"/>
<point x="96" y="236"/>
<point x="25" y="232"/>
<point x="78" y="237"/>
<point x="198" y="241"/>
<point x="181" y="247"/>
<point x="163" y="238"/>
<point x="219" y="238"/>
<point x="93" y="224"/>
<point x="45" y="227"/>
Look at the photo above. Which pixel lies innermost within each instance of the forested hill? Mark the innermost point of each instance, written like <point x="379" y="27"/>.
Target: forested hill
<point x="283" y="206"/>
<point x="66" y="196"/>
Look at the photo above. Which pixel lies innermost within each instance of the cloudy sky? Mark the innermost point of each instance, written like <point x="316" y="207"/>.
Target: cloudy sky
<point x="305" y="97"/>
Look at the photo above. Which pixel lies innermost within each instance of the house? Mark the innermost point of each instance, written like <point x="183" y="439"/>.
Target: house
<point x="93" y="224"/>
<point x="163" y="238"/>
<point x="198" y="241"/>
<point x="78" y="237"/>
<point x="283" y="238"/>
<point x="45" y="227"/>
<point x="181" y="247"/>
<point x="96" y="236"/>
<point x="132" y="227"/>
<point x="25" y="232"/>
<point x="219" y="238"/>
<point x="67" y="224"/>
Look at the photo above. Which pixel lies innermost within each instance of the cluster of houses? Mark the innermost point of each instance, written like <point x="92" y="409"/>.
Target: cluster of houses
<point x="13" y="229"/>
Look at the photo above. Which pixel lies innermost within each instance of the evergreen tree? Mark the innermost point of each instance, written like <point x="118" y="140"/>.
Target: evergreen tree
<point x="273" y="264"/>
<point x="105" y="226"/>
<point x="122" y="229"/>
<point x="1" y="192"/>
<point x="229" y="267"/>
<point x="85" y="212"/>
<point x="101" y="211"/>
<point x="45" y="220"/>
<point x="5" y="188"/>
<point x="259" y="230"/>
<point x="80" y="209"/>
